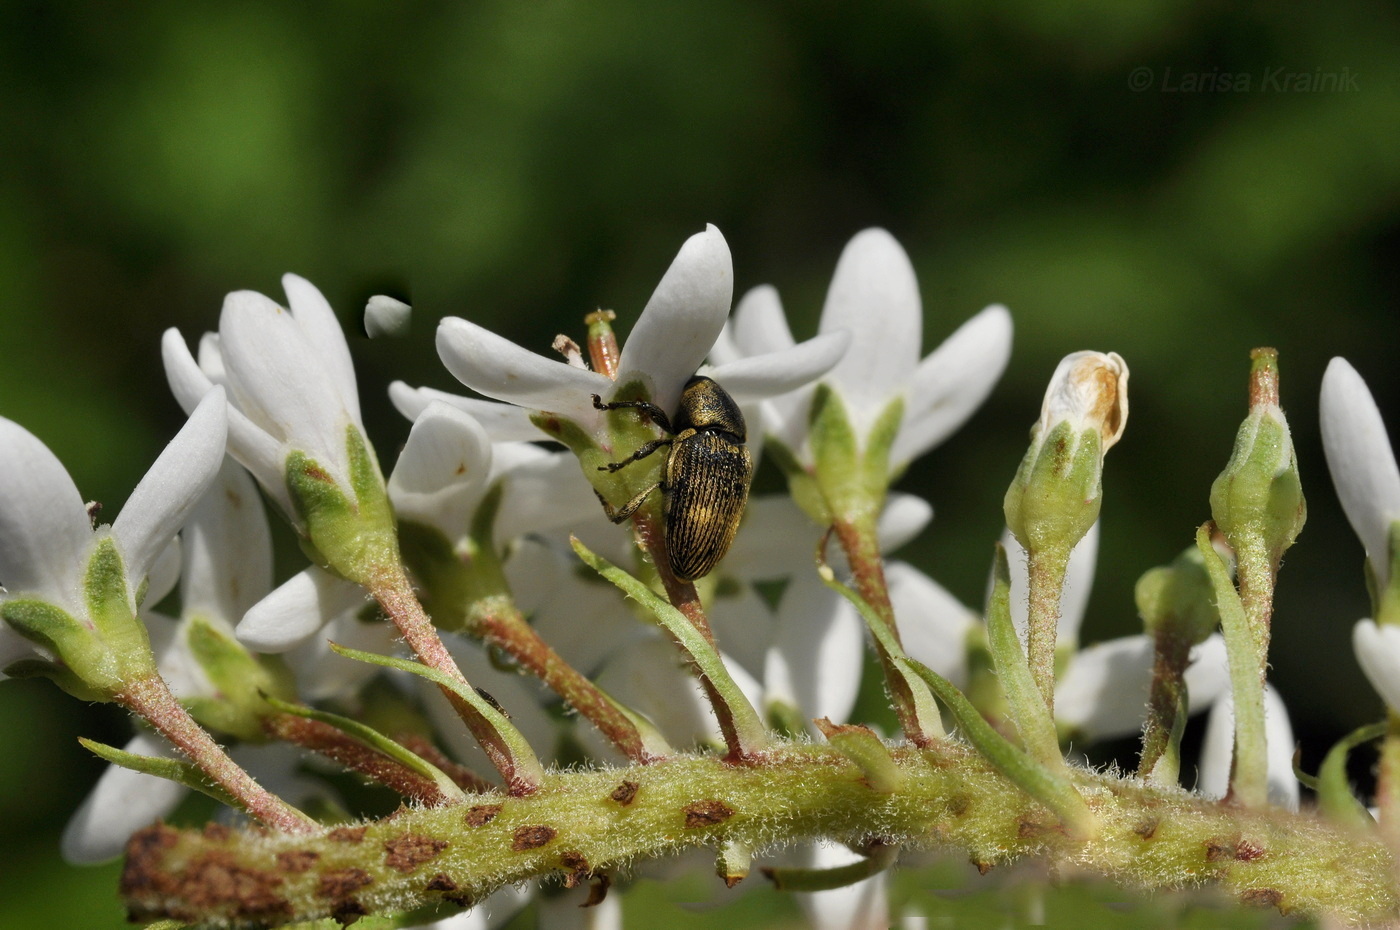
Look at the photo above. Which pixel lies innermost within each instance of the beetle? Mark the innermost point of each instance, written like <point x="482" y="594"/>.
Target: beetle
<point x="705" y="484"/>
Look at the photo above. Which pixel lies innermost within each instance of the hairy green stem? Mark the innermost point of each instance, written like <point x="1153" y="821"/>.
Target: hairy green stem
<point x="1046" y="568"/>
<point x="589" y="823"/>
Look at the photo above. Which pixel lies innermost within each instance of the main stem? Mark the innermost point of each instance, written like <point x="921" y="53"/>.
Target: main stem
<point x="150" y="698"/>
<point x="591" y="823"/>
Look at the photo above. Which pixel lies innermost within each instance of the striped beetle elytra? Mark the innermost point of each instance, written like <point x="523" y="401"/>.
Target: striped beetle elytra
<point x="705" y="483"/>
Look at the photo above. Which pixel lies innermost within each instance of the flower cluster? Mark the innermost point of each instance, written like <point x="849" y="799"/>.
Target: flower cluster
<point x="456" y="635"/>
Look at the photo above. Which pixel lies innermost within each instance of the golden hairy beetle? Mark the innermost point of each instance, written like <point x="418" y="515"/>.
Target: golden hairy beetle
<point x="706" y="480"/>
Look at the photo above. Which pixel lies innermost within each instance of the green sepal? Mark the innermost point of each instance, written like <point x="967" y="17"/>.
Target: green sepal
<point x="1055" y="496"/>
<point x="240" y="680"/>
<point x="1249" y="777"/>
<point x="628" y="429"/>
<point x="60" y="675"/>
<point x="878" y="444"/>
<point x="864" y="748"/>
<point x="578" y="440"/>
<point x="747" y="726"/>
<point x="453" y="579"/>
<point x="1334" y="796"/>
<point x="1032" y="718"/>
<point x="879" y="859"/>
<point x="176" y="770"/>
<point x="525" y="765"/>
<point x="352" y="537"/>
<point x="125" y="643"/>
<point x="378" y="742"/>
<point x="836" y="459"/>
<point x="1259" y="495"/>
<point x="1051" y="788"/>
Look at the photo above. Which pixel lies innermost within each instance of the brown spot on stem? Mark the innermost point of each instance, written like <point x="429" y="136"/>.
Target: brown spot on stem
<point x="1219" y="850"/>
<point x="576" y="865"/>
<point x="1246" y="851"/>
<point x="481" y="815"/>
<point x="347" y="912"/>
<point x="625" y="793"/>
<point x="532" y="837"/>
<point x="1262" y="897"/>
<point x="216" y="832"/>
<point x="1146" y="829"/>
<point x="347" y="834"/>
<point x="1030" y="829"/>
<point x="142" y="871"/>
<point x="408" y="852"/>
<point x="983" y="867"/>
<point x="706" y="814"/>
<point x="958" y="805"/>
<point x="343" y="882"/>
<point x="461" y="900"/>
<point x="441" y="882"/>
<point x="597" y="891"/>
<point x="297" y="860"/>
<point x="216" y="881"/>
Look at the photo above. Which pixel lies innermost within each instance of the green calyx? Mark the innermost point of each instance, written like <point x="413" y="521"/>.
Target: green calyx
<point x="1178" y="600"/>
<point x="1258" y="498"/>
<point x="351" y="534"/>
<point x="241" y="680"/>
<point x="1054" y="498"/>
<point x="1386" y="603"/>
<point x="454" y="580"/>
<point x="851" y="472"/>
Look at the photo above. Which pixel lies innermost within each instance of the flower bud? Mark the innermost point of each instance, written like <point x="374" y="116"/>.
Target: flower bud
<point x="1258" y="498"/>
<point x="1055" y="496"/>
<point x="1177" y="600"/>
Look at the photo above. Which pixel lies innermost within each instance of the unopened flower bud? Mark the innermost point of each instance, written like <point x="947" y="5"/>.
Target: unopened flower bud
<point x="1055" y="496"/>
<point x="1177" y="600"/>
<point x="1258" y="498"/>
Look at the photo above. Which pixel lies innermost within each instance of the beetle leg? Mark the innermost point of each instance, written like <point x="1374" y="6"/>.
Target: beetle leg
<point x="645" y="450"/>
<point x="627" y="509"/>
<point x="658" y="416"/>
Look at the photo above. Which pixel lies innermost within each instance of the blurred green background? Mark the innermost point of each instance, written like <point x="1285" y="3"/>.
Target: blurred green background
<point x="523" y="163"/>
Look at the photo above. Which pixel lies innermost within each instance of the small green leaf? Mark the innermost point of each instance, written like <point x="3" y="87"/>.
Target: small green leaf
<point x="748" y="728"/>
<point x="1028" y="711"/>
<point x="1334" y="795"/>
<point x="525" y="767"/>
<point x="176" y="770"/>
<point x="378" y="742"/>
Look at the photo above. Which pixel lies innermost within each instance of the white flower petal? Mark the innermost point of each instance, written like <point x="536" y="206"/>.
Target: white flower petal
<point x="442" y="471"/>
<point x="875" y="295"/>
<point x="776" y="539"/>
<point x="1218" y="750"/>
<point x="283" y="383"/>
<point x="952" y="381"/>
<point x="188" y="382"/>
<point x="44" y="527"/>
<point x="386" y="316"/>
<point x="228" y="549"/>
<point x="167" y="494"/>
<point x="933" y="624"/>
<point x="544" y="494"/>
<point x="293" y="612"/>
<point x="317" y="320"/>
<point x="1079" y="582"/>
<point x="761" y="376"/>
<point x="818" y="646"/>
<point x="759" y="325"/>
<point x="904" y="517"/>
<point x="323" y="675"/>
<point x="1361" y="460"/>
<point x="566" y="912"/>
<point x="502" y="422"/>
<point x="495" y="366"/>
<point x="743" y="626"/>
<point x="1377" y="650"/>
<point x="165" y="573"/>
<point x="861" y="906"/>
<point x="122" y="803"/>
<point x="1208" y="675"/>
<point x="682" y="319"/>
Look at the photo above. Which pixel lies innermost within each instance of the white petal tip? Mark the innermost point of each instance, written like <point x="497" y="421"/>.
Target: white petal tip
<point x="386" y="316"/>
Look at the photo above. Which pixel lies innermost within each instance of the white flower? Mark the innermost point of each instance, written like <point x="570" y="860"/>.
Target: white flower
<point x="47" y="537"/>
<point x="447" y="466"/>
<point x="1089" y="390"/>
<point x="290" y="381"/>
<point x="1218" y="750"/>
<point x="1377" y="648"/>
<point x="875" y="297"/>
<point x="671" y="338"/>
<point x="1362" y="463"/>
